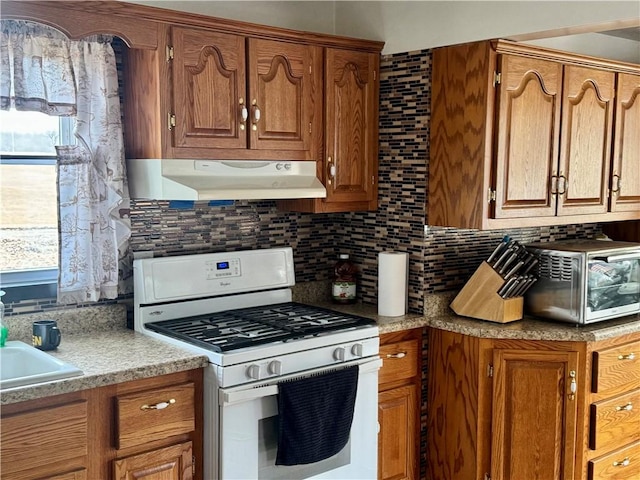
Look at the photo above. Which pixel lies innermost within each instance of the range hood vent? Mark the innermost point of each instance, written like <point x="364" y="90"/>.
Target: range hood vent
<point x="170" y="179"/>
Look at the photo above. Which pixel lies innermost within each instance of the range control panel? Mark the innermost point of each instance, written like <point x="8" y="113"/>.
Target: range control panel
<point x="183" y="277"/>
<point x="223" y="268"/>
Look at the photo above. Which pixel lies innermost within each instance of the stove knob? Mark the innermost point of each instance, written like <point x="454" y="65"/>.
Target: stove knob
<point x="356" y="350"/>
<point x="275" y="367"/>
<point x="254" y="371"/>
<point x="339" y="353"/>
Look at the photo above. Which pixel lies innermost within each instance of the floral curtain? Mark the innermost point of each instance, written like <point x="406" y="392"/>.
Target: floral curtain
<point x="44" y="71"/>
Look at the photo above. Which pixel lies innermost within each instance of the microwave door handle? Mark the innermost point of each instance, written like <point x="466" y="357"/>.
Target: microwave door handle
<point x="624" y="256"/>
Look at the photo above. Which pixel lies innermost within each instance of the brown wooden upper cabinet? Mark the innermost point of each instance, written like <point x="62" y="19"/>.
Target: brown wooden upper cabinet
<point x="522" y="136"/>
<point x="350" y="167"/>
<point x="229" y="97"/>
<point x="554" y="140"/>
<point x="351" y="106"/>
<point x="625" y="184"/>
<point x="232" y="92"/>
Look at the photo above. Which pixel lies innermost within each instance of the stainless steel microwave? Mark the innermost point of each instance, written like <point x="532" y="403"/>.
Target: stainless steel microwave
<point x="585" y="281"/>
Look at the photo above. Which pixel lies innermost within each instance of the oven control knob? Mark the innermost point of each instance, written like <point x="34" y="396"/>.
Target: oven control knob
<point x="254" y="371"/>
<point x="356" y="350"/>
<point x="339" y="353"/>
<point x="275" y="367"/>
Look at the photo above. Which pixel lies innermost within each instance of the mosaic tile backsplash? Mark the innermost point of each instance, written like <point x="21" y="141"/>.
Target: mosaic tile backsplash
<point x="441" y="259"/>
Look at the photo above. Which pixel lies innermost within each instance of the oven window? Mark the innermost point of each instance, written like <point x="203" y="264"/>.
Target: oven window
<point x="268" y="448"/>
<point x="613" y="284"/>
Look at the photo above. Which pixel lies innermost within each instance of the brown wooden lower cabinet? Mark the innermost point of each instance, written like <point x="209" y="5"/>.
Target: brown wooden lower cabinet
<point x="399" y="405"/>
<point x="504" y="409"/>
<point x="46" y="441"/>
<point x="88" y="434"/>
<point x="170" y="463"/>
<point x="533" y="432"/>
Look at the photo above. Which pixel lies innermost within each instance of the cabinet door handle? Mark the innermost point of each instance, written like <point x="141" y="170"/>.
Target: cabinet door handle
<point x="628" y="407"/>
<point x="256" y="114"/>
<point x="562" y="181"/>
<point x="331" y="170"/>
<point x="623" y="463"/>
<point x="616" y="184"/>
<point x="159" y="406"/>
<point x="628" y="356"/>
<point x="573" y="386"/>
<point x="554" y="184"/>
<point x="244" y="114"/>
<point x="397" y="355"/>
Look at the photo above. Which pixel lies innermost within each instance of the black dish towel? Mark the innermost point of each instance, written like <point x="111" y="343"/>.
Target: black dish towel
<point x="315" y="416"/>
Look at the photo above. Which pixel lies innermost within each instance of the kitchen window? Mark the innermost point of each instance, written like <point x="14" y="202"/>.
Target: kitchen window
<point x="28" y="194"/>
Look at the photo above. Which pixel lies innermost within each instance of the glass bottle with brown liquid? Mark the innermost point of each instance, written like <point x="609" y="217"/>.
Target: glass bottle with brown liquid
<point x="345" y="280"/>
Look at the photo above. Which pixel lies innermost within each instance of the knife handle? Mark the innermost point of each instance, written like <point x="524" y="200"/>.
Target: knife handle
<point x="510" y="259"/>
<point x="497" y="250"/>
<point x="506" y="286"/>
<point x="514" y="270"/>
<point x="503" y="257"/>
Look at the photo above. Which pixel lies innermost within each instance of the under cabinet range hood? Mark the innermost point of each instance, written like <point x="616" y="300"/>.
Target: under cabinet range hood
<point x="170" y="179"/>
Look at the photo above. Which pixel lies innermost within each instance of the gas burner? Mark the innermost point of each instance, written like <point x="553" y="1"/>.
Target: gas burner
<point x="234" y="329"/>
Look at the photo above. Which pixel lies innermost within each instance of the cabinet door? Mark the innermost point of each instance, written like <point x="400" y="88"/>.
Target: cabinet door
<point x="44" y="442"/>
<point x="397" y="414"/>
<point x="285" y="95"/>
<point x="171" y="463"/>
<point x="208" y="89"/>
<point x="534" y="415"/>
<point x="585" y="145"/>
<point x="625" y="181"/>
<point x="527" y="140"/>
<point x="351" y="103"/>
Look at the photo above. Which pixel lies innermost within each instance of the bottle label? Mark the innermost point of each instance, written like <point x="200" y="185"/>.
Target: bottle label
<point x="344" y="290"/>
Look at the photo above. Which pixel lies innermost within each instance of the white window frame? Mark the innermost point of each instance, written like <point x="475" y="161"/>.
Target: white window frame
<point x="42" y="276"/>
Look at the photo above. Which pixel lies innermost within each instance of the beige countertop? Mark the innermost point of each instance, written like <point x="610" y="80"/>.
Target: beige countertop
<point x="526" y="329"/>
<point x="105" y="350"/>
<point x="97" y="341"/>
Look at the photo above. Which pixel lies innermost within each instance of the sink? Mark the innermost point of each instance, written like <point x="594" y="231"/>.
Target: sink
<point x="22" y="364"/>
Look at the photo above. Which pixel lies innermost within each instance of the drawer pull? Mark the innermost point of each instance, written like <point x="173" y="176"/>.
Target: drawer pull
<point x="623" y="463"/>
<point x="397" y="355"/>
<point x="628" y="407"/>
<point x="158" y="406"/>
<point x="630" y="356"/>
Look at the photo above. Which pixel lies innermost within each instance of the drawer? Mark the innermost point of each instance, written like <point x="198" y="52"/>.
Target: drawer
<point x="616" y="368"/>
<point x="156" y="414"/>
<point x="623" y="464"/>
<point x="399" y="361"/>
<point x="615" y="422"/>
<point x="42" y="442"/>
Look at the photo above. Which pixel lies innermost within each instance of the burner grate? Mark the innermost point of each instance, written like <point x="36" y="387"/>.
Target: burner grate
<point x="234" y="329"/>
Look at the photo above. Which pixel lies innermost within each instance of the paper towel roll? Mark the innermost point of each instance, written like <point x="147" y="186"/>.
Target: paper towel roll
<point x="393" y="279"/>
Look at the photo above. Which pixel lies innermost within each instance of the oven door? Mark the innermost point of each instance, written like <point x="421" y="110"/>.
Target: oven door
<point x="249" y="424"/>
<point x="613" y="286"/>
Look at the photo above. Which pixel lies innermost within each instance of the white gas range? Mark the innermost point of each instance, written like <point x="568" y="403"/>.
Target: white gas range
<point x="236" y="308"/>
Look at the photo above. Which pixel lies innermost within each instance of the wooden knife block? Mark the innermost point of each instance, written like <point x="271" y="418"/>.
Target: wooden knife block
<point x="479" y="298"/>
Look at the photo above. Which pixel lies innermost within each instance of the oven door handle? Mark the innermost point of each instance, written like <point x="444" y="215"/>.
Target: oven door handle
<point x="247" y="394"/>
<point x="620" y="257"/>
<point x="251" y="394"/>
